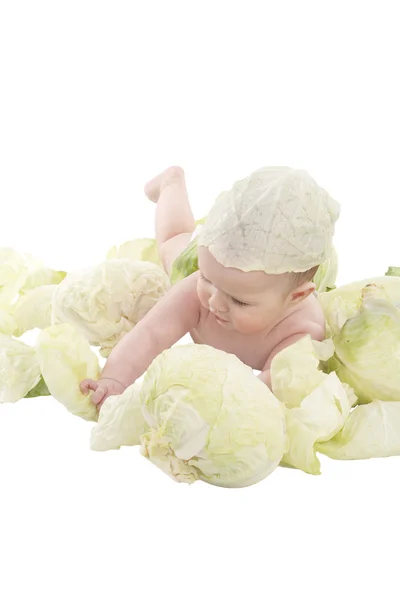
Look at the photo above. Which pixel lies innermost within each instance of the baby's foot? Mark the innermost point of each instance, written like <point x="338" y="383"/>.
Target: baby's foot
<point x="154" y="187"/>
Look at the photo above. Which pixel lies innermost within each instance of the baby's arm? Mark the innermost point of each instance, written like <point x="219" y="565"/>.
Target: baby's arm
<point x="265" y="377"/>
<point x="167" y="322"/>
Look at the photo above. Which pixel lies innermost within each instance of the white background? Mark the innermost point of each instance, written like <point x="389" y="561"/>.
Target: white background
<point x="97" y="97"/>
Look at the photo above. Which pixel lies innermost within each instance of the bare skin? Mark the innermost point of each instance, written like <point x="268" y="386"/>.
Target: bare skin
<point x="249" y="314"/>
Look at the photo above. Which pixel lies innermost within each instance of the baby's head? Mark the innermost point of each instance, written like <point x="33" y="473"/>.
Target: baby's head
<point x="261" y="246"/>
<point x="250" y="301"/>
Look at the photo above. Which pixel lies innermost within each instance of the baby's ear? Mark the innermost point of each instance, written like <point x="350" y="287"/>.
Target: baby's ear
<point x="302" y="292"/>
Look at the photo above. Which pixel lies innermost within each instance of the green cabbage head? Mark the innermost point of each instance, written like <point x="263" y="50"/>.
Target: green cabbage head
<point x="344" y="302"/>
<point x="106" y="301"/>
<point x="367" y="346"/>
<point x="210" y="418"/>
<point x="317" y="404"/>
<point x="65" y="359"/>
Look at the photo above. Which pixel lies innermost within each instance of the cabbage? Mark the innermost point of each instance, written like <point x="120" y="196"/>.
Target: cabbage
<point x="13" y="274"/>
<point x="317" y="404"/>
<point x="276" y="220"/>
<point x="195" y="419"/>
<point x="142" y="249"/>
<point x="210" y="418"/>
<point x="106" y="301"/>
<point x="345" y="301"/>
<point x="295" y="370"/>
<point x="65" y="359"/>
<point x="40" y="389"/>
<point x="320" y="416"/>
<point x="7" y="321"/>
<point x="33" y="309"/>
<point x="325" y="277"/>
<point x="121" y="422"/>
<point x="186" y="263"/>
<point x="20" y="273"/>
<point x="372" y="431"/>
<point x="393" y="271"/>
<point x="40" y="276"/>
<point x="19" y="369"/>
<point x="367" y="347"/>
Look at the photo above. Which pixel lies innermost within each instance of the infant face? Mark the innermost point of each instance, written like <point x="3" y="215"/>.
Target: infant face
<point x="246" y="302"/>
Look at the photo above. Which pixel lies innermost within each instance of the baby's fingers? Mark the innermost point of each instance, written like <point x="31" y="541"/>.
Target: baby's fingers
<point x="100" y="391"/>
<point x="99" y="395"/>
<point x="88" y="384"/>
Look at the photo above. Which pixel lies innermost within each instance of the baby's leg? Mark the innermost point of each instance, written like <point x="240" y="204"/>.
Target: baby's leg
<point x="174" y="219"/>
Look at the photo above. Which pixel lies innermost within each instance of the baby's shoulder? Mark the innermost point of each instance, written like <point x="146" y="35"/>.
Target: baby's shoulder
<point x="309" y="318"/>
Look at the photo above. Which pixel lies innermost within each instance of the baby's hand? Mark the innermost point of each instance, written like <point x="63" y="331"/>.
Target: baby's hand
<point x="102" y="389"/>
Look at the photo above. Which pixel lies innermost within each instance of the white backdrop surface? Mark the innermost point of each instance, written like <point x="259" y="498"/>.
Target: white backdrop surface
<point x="96" y="98"/>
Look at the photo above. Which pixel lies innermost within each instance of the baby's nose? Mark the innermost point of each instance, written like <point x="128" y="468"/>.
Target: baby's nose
<point x="216" y="302"/>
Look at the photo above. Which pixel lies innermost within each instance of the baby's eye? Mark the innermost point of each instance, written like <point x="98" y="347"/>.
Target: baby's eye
<point x="238" y="302"/>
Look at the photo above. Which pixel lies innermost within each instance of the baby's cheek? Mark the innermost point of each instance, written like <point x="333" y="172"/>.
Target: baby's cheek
<point x="251" y="322"/>
<point x="203" y="295"/>
<point x="245" y="321"/>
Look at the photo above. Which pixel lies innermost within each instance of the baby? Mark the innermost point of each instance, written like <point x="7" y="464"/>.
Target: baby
<point x="252" y="296"/>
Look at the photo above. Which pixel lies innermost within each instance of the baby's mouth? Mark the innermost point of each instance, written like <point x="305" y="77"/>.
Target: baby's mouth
<point x="219" y="319"/>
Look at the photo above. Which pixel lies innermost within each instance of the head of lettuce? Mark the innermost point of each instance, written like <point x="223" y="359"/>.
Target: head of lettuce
<point x="219" y="423"/>
<point x="363" y="320"/>
<point x="106" y="301"/>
